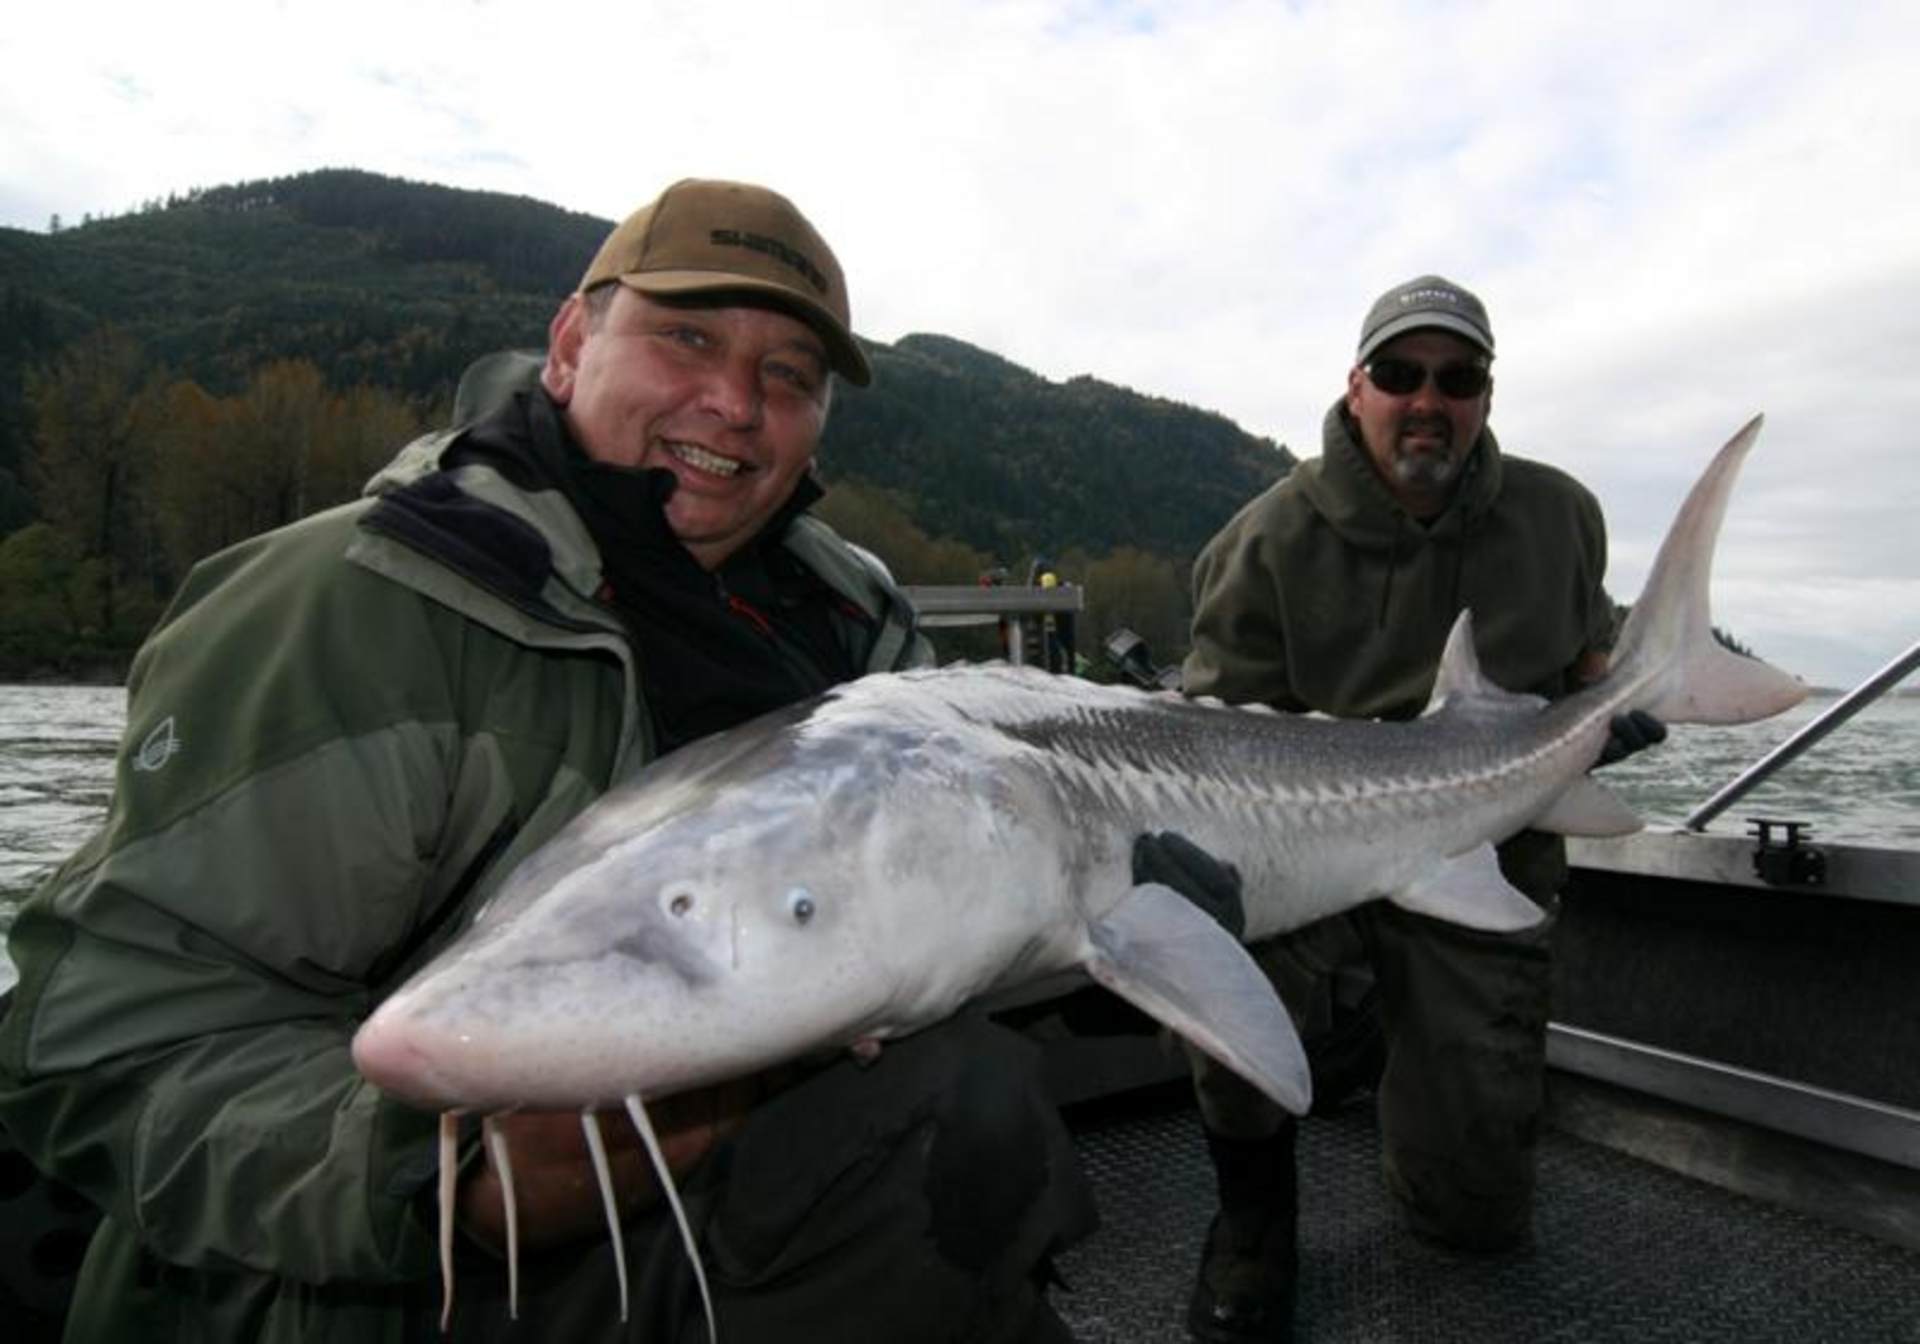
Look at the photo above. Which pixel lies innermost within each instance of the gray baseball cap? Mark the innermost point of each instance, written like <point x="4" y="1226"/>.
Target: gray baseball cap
<point x="1429" y="301"/>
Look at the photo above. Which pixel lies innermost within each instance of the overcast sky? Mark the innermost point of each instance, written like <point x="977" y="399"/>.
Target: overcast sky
<point x="1678" y="214"/>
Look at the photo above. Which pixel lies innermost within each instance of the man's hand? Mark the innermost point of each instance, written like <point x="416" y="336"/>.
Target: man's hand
<point x="1172" y="860"/>
<point x="1636" y="730"/>
<point x="555" y="1190"/>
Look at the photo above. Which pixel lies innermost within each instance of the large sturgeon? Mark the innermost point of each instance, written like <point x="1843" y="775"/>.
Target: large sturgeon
<point x="860" y="866"/>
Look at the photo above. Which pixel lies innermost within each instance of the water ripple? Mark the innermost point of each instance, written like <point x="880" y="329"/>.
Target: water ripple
<point x="56" y="776"/>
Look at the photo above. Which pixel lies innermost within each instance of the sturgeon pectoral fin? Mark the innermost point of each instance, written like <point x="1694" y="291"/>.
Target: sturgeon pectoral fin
<point x="1162" y="954"/>
<point x="1469" y="889"/>
<point x="1588" y="807"/>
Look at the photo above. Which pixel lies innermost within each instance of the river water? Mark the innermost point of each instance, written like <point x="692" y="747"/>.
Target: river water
<point x="1862" y="784"/>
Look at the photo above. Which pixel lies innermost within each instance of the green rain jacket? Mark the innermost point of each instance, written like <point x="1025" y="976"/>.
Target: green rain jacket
<point x="340" y="738"/>
<point x="1323" y="594"/>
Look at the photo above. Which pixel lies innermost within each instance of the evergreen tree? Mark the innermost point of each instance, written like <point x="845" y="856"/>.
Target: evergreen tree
<point x="92" y="412"/>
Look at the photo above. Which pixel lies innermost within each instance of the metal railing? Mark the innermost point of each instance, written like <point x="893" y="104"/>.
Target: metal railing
<point x="1856" y="1124"/>
<point x="1017" y="609"/>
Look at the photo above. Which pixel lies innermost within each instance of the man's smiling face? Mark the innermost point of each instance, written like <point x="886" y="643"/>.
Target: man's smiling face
<point x="729" y="397"/>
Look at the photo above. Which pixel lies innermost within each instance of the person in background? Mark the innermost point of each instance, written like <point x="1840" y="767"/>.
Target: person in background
<point x="1334" y="591"/>
<point x="345" y="733"/>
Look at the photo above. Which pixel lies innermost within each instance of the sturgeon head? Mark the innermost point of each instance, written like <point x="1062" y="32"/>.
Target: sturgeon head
<point x="796" y="885"/>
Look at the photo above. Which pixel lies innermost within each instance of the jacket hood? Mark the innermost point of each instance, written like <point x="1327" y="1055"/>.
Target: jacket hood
<point x="1344" y="489"/>
<point x="544" y="512"/>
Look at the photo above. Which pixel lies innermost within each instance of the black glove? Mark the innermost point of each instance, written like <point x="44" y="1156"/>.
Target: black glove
<point x="1172" y="860"/>
<point x="1636" y="730"/>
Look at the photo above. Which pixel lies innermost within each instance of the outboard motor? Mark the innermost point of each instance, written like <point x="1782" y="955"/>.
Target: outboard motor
<point x="1129" y="655"/>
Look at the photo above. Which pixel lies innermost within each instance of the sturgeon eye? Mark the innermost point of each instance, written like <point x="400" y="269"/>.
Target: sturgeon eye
<point x="800" y="905"/>
<point x="679" y="901"/>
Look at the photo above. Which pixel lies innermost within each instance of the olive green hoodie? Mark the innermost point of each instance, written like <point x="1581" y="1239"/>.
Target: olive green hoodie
<point x="1324" y="594"/>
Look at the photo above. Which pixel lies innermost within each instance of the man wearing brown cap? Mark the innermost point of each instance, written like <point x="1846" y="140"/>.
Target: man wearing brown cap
<point x="375" y="714"/>
<point x="1334" y="592"/>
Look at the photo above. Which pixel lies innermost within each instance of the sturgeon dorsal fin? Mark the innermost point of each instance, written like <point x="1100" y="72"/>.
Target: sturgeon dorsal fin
<point x="1459" y="676"/>
<point x="1459" y="682"/>
<point x="1166" y="957"/>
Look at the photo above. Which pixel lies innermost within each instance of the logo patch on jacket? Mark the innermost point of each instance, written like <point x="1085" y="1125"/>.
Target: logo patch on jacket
<point x="159" y="746"/>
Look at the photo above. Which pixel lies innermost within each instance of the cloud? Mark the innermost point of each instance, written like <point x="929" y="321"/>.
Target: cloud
<point x="1679" y="215"/>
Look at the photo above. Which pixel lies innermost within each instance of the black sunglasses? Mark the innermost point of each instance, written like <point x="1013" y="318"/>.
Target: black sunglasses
<point x="1402" y="377"/>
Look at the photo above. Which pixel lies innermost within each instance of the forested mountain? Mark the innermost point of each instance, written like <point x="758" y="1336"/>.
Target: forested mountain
<point x="1007" y="460"/>
<point x="374" y="281"/>
<point x="218" y="315"/>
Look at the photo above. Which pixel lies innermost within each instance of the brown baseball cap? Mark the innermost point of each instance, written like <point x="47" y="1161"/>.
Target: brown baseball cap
<point x="699" y="236"/>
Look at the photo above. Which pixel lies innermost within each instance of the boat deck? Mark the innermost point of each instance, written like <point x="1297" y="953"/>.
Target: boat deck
<point x="1625" y="1250"/>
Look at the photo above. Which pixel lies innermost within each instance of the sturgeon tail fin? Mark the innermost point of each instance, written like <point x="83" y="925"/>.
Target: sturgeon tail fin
<point x="1668" y="645"/>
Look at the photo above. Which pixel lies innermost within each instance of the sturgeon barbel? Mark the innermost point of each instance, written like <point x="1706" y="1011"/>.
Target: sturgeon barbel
<point x="860" y="866"/>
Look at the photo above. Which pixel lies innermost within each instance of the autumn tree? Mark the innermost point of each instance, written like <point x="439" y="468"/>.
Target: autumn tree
<point x="1145" y="592"/>
<point x="277" y="427"/>
<point x="365" y="426"/>
<point x="878" y="520"/>
<point x="309" y="447"/>
<point x="285" y="447"/>
<point x="200" y="506"/>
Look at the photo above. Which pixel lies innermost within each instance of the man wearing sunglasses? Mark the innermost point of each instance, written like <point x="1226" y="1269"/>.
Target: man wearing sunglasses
<point x="1334" y="591"/>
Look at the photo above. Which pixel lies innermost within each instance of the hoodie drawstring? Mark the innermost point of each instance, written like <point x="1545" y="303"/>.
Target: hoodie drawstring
<point x="1393" y="567"/>
<point x="1460" y="564"/>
